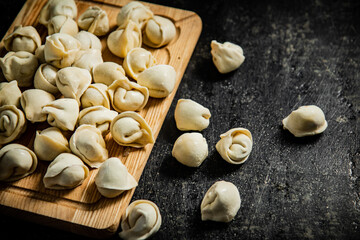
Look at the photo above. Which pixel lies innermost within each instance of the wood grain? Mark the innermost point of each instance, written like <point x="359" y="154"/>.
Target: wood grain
<point x="83" y="210"/>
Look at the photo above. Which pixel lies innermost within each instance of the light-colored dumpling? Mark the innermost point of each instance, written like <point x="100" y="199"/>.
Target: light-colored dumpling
<point x="16" y="162"/>
<point x="23" y="39"/>
<point x="235" y="145"/>
<point x="127" y="96"/>
<point x="159" y="79"/>
<point x="88" y="40"/>
<point x="40" y="55"/>
<point x="136" y="12"/>
<point x="113" y="178"/>
<point x="221" y="202"/>
<point x="72" y="82"/>
<point x="32" y="101"/>
<point x="158" y="32"/>
<point x="130" y="129"/>
<point x="20" y="66"/>
<point x="98" y="116"/>
<point x="95" y="95"/>
<point x="45" y="78"/>
<point x="94" y="20"/>
<point x="88" y="59"/>
<point x="61" y="49"/>
<point x="138" y="60"/>
<point x="190" y="149"/>
<point x="62" y="113"/>
<point x="108" y="72"/>
<point x="122" y="40"/>
<point x="227" y="56"/>
<point x="10" y="93"/>
<point x="62" y="24"/>
<point x="190" y="115"/>
<point x="88" y="143"/>
<point x="65" y="172"/>
<point x="305" y="121"/>
<point x="57" y="7"/>
<point x="12" y="123"/>
<point x="141" y="220"/>
<point x="49" y="143"/>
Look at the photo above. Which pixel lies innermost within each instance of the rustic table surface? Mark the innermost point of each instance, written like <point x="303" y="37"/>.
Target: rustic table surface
<point x="297" y="53"/>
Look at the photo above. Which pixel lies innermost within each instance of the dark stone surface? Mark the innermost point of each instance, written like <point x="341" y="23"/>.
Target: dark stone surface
<point x="297" y="53"/>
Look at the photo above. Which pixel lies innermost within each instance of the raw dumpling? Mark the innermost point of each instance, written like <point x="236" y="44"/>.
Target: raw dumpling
<point x="113" y="178"/>
<point x="305" y="121"/>
<point x="88" y="59"/>
<point x="61" y="49"/>
<point x="12" y="123"/>
<point x="88" y="40"/>
<point x="227" y="56"/>
<point x="137" y="60"/>
<point x="62" y="113"/>
<point x="20" y="66"/>
<point x="127" y="96"/>
<point x="98" y="116"/>
<point x="235" y="145"/>
<point x="130" y="129"/>
<point x="221" y="202"/>
<point x="88" y="144"/>
<point x="159" y="79"/>
<point x="134" y="11"/>
<point x="95" y="95"/>
<point x="49" y="143"/>
<point x="158" y="32"/>
<point x="23" y="39"/>
<point x="39" y="54"/>
<point x="45" y="78"/>
<point x="32" y="101"/>
<point x="16" y="162"/>
<point x="65" y="172"/>
<point x="141" y="220"/>
<point x="190" y="115"/>
<point x="190" y="149"/>
<point x="62" y="24"/>
<point x="10" y="93"/>
<point x="94" y="20"/>
<point x="72" y="82"/>
<point x="108" y="72"/>
<point x="122" y="40"/>
<point x="57" y="7"/>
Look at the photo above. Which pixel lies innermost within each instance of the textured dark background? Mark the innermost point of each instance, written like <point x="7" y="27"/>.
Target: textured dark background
<point x="297" y="53"/>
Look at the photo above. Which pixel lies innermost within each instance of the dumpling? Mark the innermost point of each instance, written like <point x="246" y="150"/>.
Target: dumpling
<point x="10" y="93"/>
<point x="98" y="116"/>
<point x="159" y="79"/>
<point x="39" y="54"/>
<point x="88" y="40"/>
<point x="136" y="12"/>
<point x="305" y="121"/>
<point x="88" y="59"/>
<point x="95" y="95"/>
<point x="221" y="202"/>
<point x="62" y="113"/>
<point x="190" y="115"/>
<point x="49" y="143"/>
<point x="57" y="7"/>
<point x="127" y="96"/>
<point x="20" y="66"/>
<point x="122" y="40"/>
<point x="113" y="178"/>
<point x="62" y="24"/>
<point x="137" y="60"/>
<point x="227" y="56"/>
<point x="16" y="162"/>
<point x="235" y="145"/>
<point x="61" y="50"/>
<point x="130" y="129"/>
<point x="190" y="149"/>
<point x="65" y="172"/>
<point x="72" y="82"/>
<point x="23" y="39"/>
<point x="32" y="101"/>
<point x="45" y="78"/>
<point x="88" y="144"/>
<point x="12" y="123"/>
<point x="108" y="72"/>
<point x="158" y="32"/>
<point x="141" y="220"/>
<point x="94" y="20"/>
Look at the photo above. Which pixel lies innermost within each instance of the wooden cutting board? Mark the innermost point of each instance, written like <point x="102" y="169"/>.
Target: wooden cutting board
<point x="83" y="210"/>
